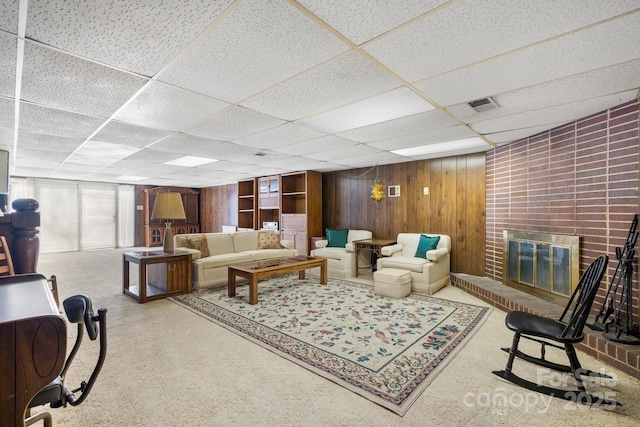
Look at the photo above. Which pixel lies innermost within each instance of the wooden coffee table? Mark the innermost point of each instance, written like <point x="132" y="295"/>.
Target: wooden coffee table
<point x="255" y="271"/>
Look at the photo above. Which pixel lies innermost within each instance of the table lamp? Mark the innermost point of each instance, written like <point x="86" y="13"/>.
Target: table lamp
<point x="168" y="206"/>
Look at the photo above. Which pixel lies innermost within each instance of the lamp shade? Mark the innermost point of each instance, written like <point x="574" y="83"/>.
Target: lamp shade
<point x="168" y="206"/>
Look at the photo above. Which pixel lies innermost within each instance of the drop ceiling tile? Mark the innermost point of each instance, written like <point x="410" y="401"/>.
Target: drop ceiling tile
<point x="9" y="16"/>
<point x="551" y="115"/>
<point x="65" y="82"/>
<point x="36" y="141"/>
<point x="392" y="105"/>
<point x="362" y="20"/>
<point x="6" y="138"/>
<point x="38" y="119"/>
<point x="90" y="159"/>
<point x="146" y="157"/>
<point x="279" y="136"/>
<point x="343" y="153"/>
<point x="325" y="143"/>
<point x="592" y="84"/>
<point x="121" y="133"/>
<point x="368" y="159"/>
<point x="233" y="123"/>
<point x="31" y="172"/>
<point x="517" y="134"/>
<point x="37" y="155"/>
<point x="7" y="113"/>
<point x="105" y="149"/>
<point x="345" y="80"/>
<point x="162" y="106"/>
<point x="188" y="144"/>
<point x="468" y="31"/>
<point x="416" y="123"/>
<point x="8" y="46"/>
<point x="45" y="163"/>
<point x="135" y="35"/>
<point x="73" y="167"/>
<point x="451" y="153"/>
<point x="256" y="46"/>
<point x="416" y="140"/>
<point x="611" y="43"/>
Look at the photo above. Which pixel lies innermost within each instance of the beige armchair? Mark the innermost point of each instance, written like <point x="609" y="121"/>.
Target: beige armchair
<point x="341" y="262"/>
<point x="429" y="274"/>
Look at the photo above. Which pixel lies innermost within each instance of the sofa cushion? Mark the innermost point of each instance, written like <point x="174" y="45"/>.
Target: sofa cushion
<point x="198" y="242"/>
<point x="337" y="238"/>
<point x="224" y="260"/>
<point x="268" y="240"/>
<point x="219" y="243"/>
<point x="425" y="244"/>
<point x="404" y="263"/>
<point x="262" y="254"/>
<point x="330" y="253"/>
<point x="245" y="241"/>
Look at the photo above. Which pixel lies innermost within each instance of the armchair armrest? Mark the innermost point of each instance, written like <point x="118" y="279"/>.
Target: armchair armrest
<point x="195" y="254"/>
<point x="321" y="243"/>
<point x="391" y="249"/>
<point x="286" y="244"/>
<point x="435" y="254"/>
<point x="350" y="247"/>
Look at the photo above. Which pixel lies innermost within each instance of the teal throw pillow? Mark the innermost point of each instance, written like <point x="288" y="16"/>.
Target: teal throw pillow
<point x="426" y="244"/>
<point x="337" y="238"/>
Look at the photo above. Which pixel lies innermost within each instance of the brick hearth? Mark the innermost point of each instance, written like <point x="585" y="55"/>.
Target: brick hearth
<point x="622" y="356"/>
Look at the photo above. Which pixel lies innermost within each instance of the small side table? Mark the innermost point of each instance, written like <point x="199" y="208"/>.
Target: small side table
<point x="161" y="274"/>
<point x="372" y="245"/>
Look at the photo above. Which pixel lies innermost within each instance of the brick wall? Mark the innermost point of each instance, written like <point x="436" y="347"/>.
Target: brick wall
<point x="577" y="179"/>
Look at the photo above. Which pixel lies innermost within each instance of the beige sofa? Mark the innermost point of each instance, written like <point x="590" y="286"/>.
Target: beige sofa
<point x="341" y="262"/>
<point x="226" y="249"/>
<point x="428" y="275"/>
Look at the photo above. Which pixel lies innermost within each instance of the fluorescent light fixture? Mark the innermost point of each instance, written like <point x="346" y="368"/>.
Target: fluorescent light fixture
<point x="131" y="178"/>
<point x="392" y="105"/>
<point x="440" y="147"/>
<point x="190" y="161"/>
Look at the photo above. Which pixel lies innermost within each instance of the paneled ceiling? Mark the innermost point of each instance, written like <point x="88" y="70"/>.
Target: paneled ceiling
<point x="111" y="91"/>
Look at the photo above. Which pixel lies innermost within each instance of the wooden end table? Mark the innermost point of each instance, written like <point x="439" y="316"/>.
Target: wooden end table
<point x="161" y="274"/>
<point x="255" y="271"/>
<point x="372" y="245"/>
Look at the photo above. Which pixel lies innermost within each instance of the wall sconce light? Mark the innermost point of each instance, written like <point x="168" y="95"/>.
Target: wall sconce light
<point x="377" y="191"/>
<point x="168" y="206"/>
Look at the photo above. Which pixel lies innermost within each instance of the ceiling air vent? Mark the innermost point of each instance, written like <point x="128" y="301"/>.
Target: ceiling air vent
<point x="484" y="104"/>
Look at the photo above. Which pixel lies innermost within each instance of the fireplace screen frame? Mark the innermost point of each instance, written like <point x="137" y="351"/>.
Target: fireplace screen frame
<point x="538" y="252"/>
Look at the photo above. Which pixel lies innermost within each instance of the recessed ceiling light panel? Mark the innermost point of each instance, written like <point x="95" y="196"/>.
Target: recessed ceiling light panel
<point x="190" y="161"/>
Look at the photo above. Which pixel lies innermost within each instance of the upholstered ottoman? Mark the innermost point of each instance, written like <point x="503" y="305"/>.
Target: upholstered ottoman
<point x="392" y="283"/>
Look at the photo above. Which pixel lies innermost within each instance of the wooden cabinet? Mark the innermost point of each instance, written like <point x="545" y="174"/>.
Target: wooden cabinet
<point x="247" y="205"/>
<point x="301" y="208"/>
<point x="154" y="228"/>
<point x="269" y="192"/>
<point x="268" y="200"/>
<point x="160" y="274"/>
<point x="293" y="200"/>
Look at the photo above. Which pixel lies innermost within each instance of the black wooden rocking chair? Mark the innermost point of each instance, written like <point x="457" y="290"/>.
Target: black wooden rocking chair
<point x="79" y="310"/>
<point x="567" y="333"/>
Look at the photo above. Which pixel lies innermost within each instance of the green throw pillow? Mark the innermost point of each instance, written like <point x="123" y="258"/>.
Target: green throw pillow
<point x="426" y="244"/>
<point x="337" y="238"/>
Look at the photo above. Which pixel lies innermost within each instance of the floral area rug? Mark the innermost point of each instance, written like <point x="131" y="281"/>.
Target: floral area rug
<point x="386" y="350"/>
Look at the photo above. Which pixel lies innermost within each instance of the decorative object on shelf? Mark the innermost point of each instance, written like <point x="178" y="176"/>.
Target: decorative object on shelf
<point x="168" y="206"/>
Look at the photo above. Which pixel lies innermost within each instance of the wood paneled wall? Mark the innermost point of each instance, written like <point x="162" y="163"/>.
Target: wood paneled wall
<point x="218" y="207"/>
<point x="454" y="206"/>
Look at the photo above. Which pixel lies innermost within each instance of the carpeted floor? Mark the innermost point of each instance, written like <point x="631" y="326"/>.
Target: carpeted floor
<point x="386" y="350"/>
<point x="169" y="367"/>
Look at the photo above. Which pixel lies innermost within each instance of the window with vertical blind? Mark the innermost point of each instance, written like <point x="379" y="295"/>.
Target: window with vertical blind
<point x="80" y="215"/>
